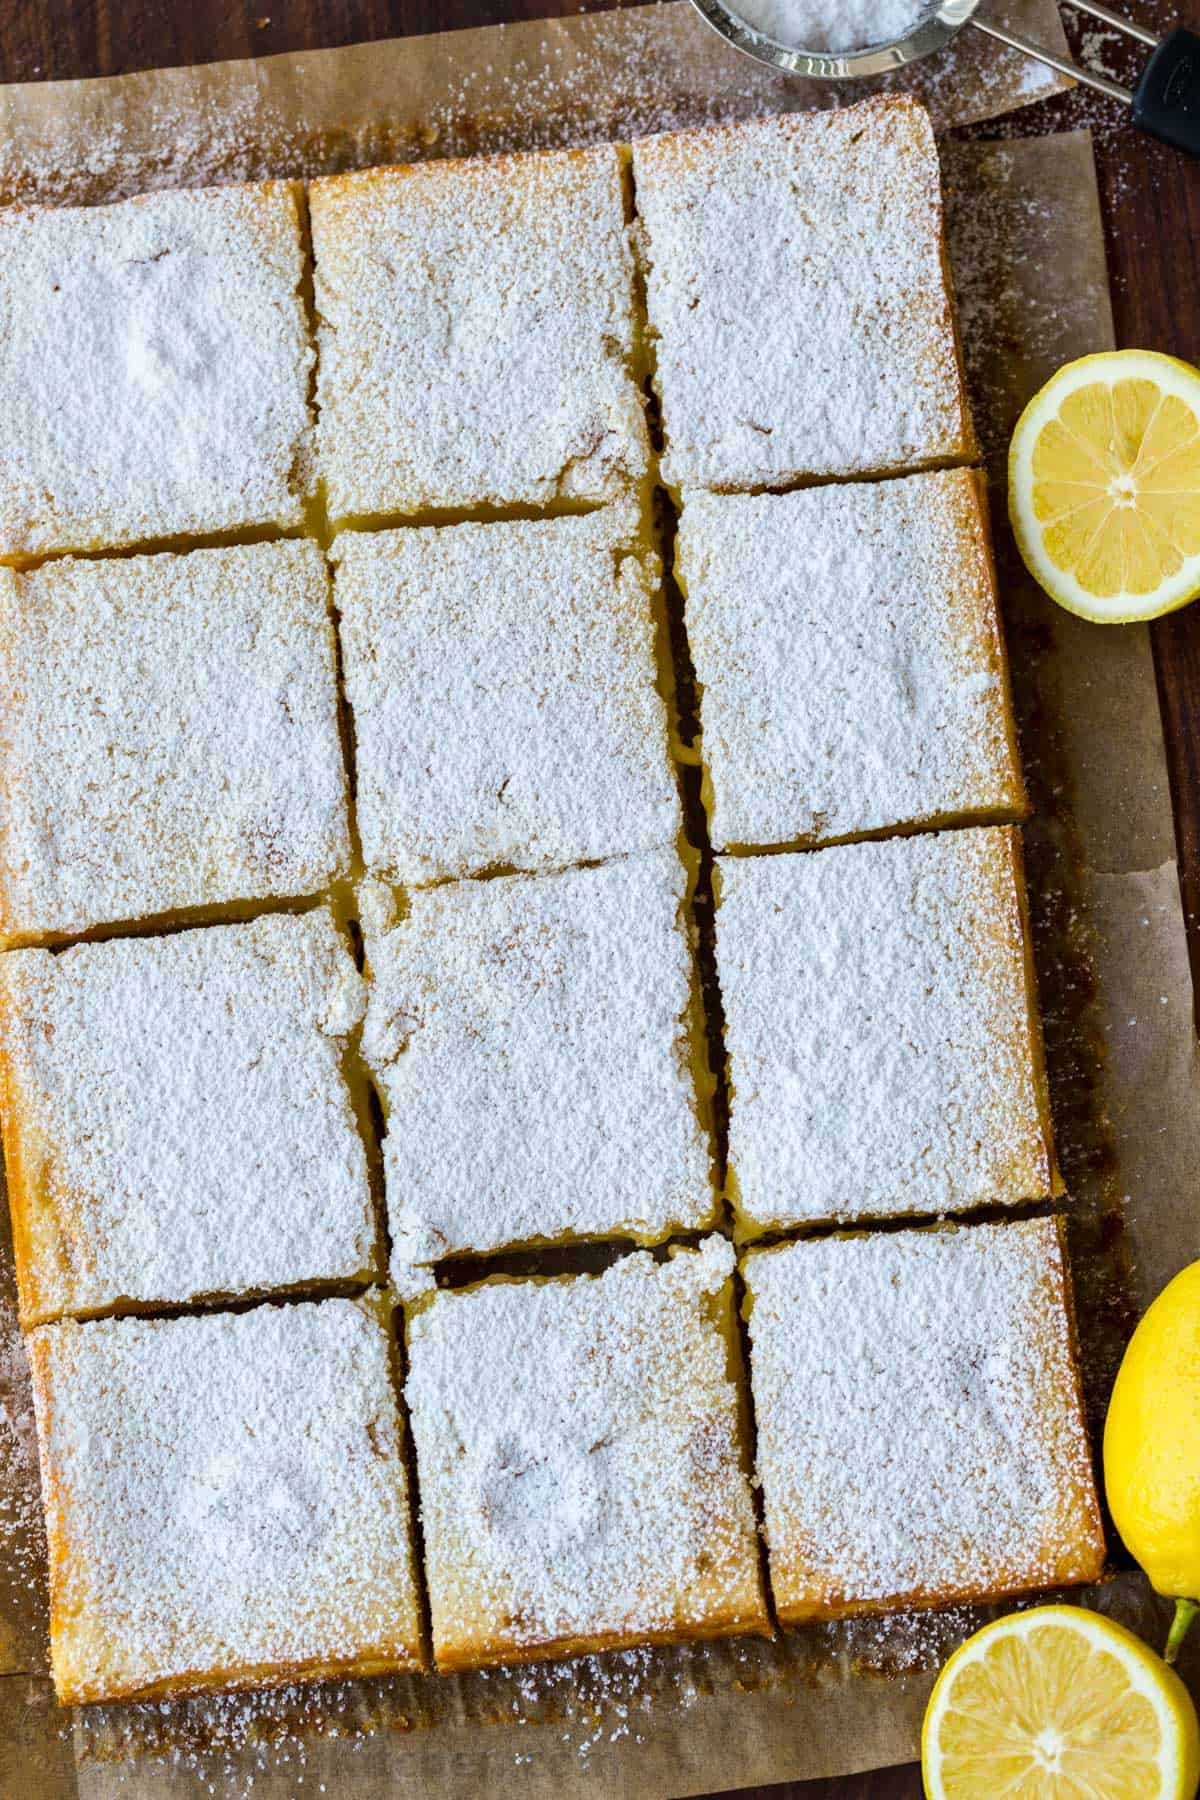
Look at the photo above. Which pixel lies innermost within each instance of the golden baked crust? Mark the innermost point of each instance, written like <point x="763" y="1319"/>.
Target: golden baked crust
<point x="36" y="1244"/>
<point x="169" y="746"/>
<point x="178" y="1121"/>
<point x="850" y="662"/>
<point x="154" y="370"/>
<point x="884" y="1047"/>
<point x="505" y="690"/>
<point x="553" y="1013"/>
<point x="1037" y="1046"/>
<point x="921" y="1439"/>
<point x="225" y="1501"/>
<point x="799" y="300"/>
<point x="479" y="348"/>
<point x="584" y="1481"/>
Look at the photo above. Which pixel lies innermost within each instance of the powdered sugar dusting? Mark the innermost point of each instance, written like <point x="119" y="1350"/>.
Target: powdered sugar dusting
<point x="172" y="362"/>
<point x="833" y="25"/>
<point x="647" y="1675"/>
<point x="502" y="679"/>
<point x="919" y="1428"/>
<point x="551" y="1012"/>
<point x="577" y="1449"/>
<point x="176" y="1120"/>
<point x="537" y="84"/>
<point x="171" y="736"/>
<point x="224" y="1494"/>
<point x="476" y="335"/>
<point x="878" y="1029"/>
<point x="847" y="644"/>
<point x="797" y="298"/>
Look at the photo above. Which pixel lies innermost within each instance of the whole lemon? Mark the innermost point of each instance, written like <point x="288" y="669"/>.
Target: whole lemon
<point x="1152" y="1448"/>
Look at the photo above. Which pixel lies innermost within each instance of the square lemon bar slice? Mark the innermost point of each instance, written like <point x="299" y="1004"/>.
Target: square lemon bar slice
<point x="581" y="1464"/>
<point x="226" y="1501"/>
<point x="882" y="1032"/>
<point x="799" y="299"/>
<point x="176" y="1120"/>
<point x="478" y="342"/>
<point x="559" y="1014"/>
<point x="920" y="1434"/>
<point x="848" y="647"/>
<point x="154" y="369"/>
<point x="170" y="742"/>
<point x="503" y="682"/>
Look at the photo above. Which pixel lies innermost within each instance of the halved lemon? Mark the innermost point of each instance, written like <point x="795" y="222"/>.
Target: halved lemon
<point x="1104" y="485"/>
<point x="1059" y="1702"/>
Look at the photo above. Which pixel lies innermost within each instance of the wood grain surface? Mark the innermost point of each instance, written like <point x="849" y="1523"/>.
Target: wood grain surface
<point x="1151" y="198"/>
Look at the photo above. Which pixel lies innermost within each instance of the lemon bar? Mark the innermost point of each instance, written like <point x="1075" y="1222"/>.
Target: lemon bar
<point x="799" y="299"/>
<point x="477" y="335"/>
<point x="557" y="1013"/>
<point x="920" y="1436"/>
<point x="170" y="742"/>
<point x="882" y="1031"/>
<point x="226" y="1501"/>
<point x="154" y="369"/>
<point x="848" y="647"/>
<point x="502" y="679"/>
<point x="176" y="1120"/>
<point x="580" y="1462"/>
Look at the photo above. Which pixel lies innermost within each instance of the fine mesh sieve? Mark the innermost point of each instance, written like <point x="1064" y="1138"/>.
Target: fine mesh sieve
<point x="1166" y="101"/>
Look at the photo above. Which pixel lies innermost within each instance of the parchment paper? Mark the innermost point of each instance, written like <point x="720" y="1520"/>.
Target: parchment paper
<point x="533" y="84"/>
<point x="1028" y="257"/>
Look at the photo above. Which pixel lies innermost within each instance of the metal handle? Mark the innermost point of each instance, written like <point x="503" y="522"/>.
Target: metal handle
<point x="1166" y="101"/>
<point x="1102" y="84"/>
<point x="1131" y="30"/>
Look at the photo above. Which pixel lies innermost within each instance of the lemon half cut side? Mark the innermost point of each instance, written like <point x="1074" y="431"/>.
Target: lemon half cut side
<point x="1104" y="485"/>
<point x="1054" y="1703"/>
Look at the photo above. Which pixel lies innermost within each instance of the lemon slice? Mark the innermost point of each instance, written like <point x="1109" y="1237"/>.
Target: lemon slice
<point x="1059" y="1702"/>
<point x="1104" y="485"/>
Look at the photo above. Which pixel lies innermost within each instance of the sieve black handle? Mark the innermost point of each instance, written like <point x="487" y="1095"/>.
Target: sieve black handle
<point x="1167" y="100"/>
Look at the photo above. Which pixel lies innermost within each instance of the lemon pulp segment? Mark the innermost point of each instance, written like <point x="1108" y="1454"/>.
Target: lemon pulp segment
<point x="1105" y="485"/>
<point x="1059" y="1702"/>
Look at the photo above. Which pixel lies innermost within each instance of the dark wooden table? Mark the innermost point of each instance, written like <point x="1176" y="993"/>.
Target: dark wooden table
<point x="1152" y="219"/>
